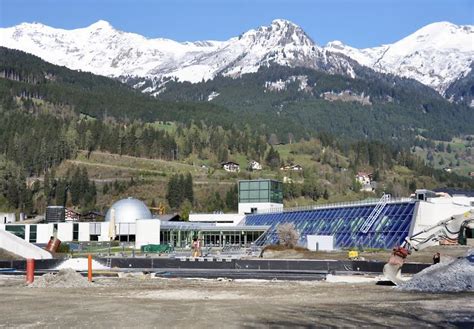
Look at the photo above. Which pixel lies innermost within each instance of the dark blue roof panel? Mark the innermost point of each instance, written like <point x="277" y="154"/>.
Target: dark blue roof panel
<point x="344" y="223"/>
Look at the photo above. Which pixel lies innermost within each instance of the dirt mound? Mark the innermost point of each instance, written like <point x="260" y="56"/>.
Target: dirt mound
<point x="452" y="276"/>
<point x="66" y="278"/>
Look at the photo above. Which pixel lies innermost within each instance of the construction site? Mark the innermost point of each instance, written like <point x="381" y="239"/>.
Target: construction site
<point x="377" y="263"/>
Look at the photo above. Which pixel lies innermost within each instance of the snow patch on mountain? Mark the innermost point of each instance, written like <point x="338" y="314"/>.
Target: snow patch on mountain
<point x="281" y="85"/>
<point x="212" y="96"/>
<point x="436" y="55"/>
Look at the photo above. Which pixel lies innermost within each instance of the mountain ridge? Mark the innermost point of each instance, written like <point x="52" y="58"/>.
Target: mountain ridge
<point x="101" y="49"/>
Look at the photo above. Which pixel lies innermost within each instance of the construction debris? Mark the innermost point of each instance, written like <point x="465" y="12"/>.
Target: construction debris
<point x="66" y="278"/>
<point x="453" y="276"/>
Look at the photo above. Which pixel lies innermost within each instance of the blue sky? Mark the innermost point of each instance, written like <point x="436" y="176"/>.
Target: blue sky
<point x="361" y="23"/>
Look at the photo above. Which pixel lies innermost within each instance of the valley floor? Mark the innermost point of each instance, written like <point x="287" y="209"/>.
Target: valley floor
<point x="182" y="303"/>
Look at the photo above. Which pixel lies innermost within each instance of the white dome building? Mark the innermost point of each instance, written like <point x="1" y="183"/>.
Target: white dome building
<point x="128" y="211"/>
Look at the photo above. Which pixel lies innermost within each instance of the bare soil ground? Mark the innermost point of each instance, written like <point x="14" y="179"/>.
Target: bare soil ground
<point x="182" y="303"/>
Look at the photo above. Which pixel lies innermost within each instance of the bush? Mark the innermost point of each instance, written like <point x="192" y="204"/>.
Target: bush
<point x="287" y="235"/>
<point x="63" y="248"/>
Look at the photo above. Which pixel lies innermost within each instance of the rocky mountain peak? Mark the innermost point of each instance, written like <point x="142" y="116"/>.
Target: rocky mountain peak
<point x="280" y="32"/>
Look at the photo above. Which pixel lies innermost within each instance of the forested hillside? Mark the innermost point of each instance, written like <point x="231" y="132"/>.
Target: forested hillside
<point x="462" y="90"/>
<point x="374" y="105"/>
<point x="28" y="76"/>
<point x="100" y="140"/>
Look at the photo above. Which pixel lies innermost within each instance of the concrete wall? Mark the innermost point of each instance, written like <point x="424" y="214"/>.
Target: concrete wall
<point x="20" y="247"/>
<point x="320" y="242"/>
<point x="147" y="232"/>
<point x="246" y="208"/>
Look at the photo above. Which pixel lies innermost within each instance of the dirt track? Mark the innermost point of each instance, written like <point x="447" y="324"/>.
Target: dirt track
<point x="181" y="303"/>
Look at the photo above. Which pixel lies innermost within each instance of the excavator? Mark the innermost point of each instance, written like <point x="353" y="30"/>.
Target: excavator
<point x="449" y="230"/>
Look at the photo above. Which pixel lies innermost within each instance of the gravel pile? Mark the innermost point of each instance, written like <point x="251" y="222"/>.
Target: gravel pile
<point x="453" y="276"/>
<point x="66" y="278"/>
<point x="80" y="264"/>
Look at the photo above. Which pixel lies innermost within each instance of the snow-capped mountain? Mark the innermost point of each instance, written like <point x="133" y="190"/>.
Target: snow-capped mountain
<point x="436" y="55"/>
<point x="101" y="49"/>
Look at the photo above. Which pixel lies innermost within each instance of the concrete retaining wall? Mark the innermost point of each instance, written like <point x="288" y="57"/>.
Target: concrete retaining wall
<point x="20" y="247"/>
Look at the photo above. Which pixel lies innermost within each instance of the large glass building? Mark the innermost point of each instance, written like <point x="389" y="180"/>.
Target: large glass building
<point x="350" y="225"/>
<point x="267" y="190"/>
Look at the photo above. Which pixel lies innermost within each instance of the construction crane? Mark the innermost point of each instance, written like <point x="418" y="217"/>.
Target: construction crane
<point x="451" y="229"/>
<point x="161" y="210"/>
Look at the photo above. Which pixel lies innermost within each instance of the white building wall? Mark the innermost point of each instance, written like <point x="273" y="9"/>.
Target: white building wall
<point x="320" y="242"/>
<point x="219" y="219"/>
<point x="434" y="210"/>
<point x="463" y="200"/>
<point x="65" y="231"/>
<point x="7" y="217"/>
<point x="104" y="231"/>
<point x="147" y="232"/>
<point x="84" y="234"/>
<point x="246" y="208"/>
<point x="27" y="232"/>
<point x="43" y="232"/>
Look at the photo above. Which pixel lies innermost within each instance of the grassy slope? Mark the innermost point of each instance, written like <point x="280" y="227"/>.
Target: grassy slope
<point x="442" y="160"/>
<point x="151" y="177"/>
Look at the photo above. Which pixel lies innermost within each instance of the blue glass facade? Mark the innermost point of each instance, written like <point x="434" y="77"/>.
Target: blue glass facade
<point x="344" y="223"/>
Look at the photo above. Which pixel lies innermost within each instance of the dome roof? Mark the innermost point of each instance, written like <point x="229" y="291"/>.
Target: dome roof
<point x="128" y="211"/>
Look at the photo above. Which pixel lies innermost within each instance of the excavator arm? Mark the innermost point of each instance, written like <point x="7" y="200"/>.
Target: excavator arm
<point x="448" y="229"/>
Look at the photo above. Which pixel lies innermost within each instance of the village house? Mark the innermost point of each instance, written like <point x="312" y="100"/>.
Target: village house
<point x="365" y="181"/>
<point x="254" y="165"/>
<point x="292" y="167"/>
<point x="230" y="166"/>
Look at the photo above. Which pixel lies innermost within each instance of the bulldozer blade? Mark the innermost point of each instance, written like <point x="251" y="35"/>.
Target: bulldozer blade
<point x="393" y="272"/>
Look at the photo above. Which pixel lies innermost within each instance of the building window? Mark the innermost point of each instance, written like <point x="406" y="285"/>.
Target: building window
<point x="18" y="230"/>
<point x="75" y="232"/>
<point x="260" y="191"/>
<point x="33" y="230"/>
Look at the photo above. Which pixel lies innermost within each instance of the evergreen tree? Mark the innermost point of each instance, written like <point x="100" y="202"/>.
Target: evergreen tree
<point x="273" y="158"/>
<point x="188" y="188"/>
<point x="232" y="198"/>
<point x="326" y="194"/>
